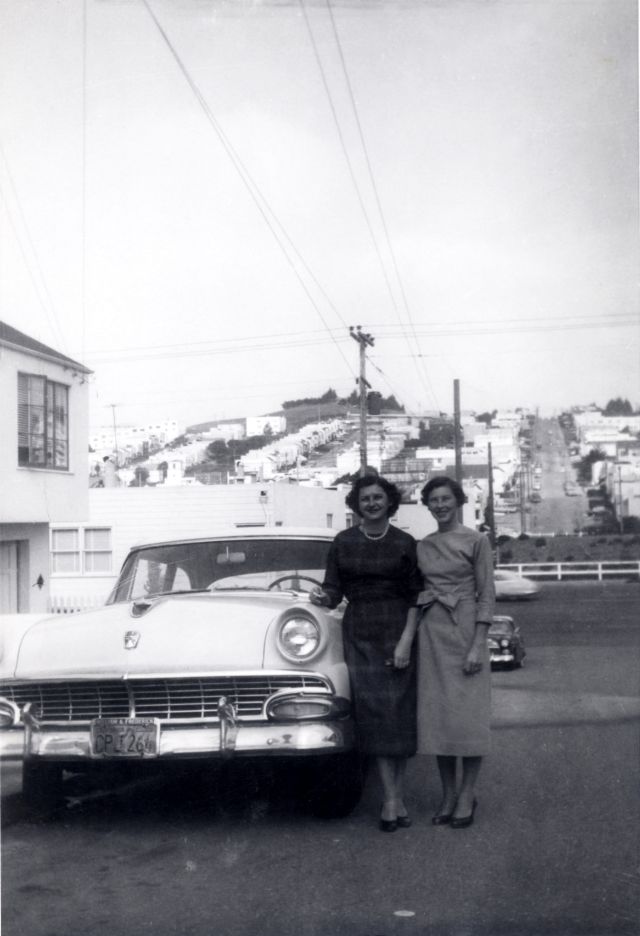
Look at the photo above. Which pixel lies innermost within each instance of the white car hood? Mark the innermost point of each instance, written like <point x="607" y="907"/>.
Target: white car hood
<point x="181" y="634"/>
<point x="13" y="627"/>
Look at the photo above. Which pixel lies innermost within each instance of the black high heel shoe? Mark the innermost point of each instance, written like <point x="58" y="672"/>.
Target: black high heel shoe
<point x="443" y="818"/>
<point x="388" y="825"/>
<point x="403" y="822"/>
<point x="463" y="822"/>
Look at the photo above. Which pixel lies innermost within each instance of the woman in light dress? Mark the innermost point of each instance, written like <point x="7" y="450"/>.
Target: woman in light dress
<point x="457" y="606"/>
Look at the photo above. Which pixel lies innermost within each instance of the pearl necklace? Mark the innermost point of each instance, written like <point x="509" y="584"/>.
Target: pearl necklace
<point x="375" y="536"/>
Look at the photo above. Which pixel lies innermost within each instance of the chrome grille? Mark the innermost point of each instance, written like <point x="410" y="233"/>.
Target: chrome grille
<point x="182" y="699"/>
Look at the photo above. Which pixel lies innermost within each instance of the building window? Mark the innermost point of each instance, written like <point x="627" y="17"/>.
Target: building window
<point x="65" y="551"/>
<point x="43" y="423"/>
<point x="81" y="551"/>
<point x="97" y="550"/>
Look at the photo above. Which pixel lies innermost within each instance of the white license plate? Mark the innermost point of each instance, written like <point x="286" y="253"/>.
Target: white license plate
<point x="124" y="737"/>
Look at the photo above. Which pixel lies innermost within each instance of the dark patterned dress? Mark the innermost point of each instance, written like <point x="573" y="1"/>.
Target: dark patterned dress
<point x="380" y="580"/>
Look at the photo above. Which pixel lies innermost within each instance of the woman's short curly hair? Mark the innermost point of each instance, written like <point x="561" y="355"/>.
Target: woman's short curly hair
<point x="443" y="481"/>
<point x="392" y="492"/>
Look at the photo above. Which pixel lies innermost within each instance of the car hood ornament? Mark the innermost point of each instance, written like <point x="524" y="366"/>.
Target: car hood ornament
<point x="131" y="639"/>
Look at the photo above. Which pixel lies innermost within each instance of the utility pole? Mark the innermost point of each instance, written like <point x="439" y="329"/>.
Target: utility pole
<point x="364" y="340"/>
<point x="523" y="495"/>
<point x="115" y="434"/>
<point x="490" y="507"/>
<point x="620" y="500"/>
<point x="457" y="440"/>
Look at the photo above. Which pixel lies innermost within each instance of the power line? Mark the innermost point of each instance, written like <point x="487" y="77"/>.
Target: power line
<point x="348" y="159"/>
<point x="386" y="380"/>
<point x="83" y="258"/>
<point x="287" y="341"/>
<point x="421" y="371"/>
<point x="40" y="288"/>
<point x="259" y="199"/>
<point x="604" y="317"/>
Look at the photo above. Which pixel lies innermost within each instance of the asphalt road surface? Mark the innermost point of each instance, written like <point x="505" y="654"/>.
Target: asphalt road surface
<point x="553" y="850"/>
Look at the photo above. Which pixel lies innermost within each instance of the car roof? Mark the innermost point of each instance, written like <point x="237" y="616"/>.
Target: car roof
<point x="502" y="624"/>
<point x="243" y="533"/>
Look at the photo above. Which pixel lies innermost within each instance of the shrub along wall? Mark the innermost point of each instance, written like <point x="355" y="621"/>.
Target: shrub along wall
<point x="569" y="548"/>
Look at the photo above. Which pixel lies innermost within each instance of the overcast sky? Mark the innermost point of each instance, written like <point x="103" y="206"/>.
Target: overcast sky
<point x="200" y="196"/>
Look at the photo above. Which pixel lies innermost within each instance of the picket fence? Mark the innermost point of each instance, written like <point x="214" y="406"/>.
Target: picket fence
<point x="563" y="571"/>
<point x="70" y="604"/>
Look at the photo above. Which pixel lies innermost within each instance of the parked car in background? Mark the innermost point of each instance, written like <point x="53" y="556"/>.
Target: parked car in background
<point x="506" y="645"/>
<point x="572" y="489"/>
<point x="511" y="586"/>
<point x="206" y="648"/>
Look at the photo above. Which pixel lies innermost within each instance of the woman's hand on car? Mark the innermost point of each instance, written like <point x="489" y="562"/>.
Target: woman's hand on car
<point x="318" y="596"/>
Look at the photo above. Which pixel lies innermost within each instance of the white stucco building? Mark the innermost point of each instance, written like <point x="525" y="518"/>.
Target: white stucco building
<point x="44" y="424"/>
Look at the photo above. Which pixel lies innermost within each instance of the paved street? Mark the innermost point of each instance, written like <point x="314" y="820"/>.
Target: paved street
<point x="554" y="849"/>
<point x="556" y="513"/>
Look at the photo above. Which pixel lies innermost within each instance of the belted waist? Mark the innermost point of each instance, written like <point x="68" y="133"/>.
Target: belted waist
<point x="430" y="597"/>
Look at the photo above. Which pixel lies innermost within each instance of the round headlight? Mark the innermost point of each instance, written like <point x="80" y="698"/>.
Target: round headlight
<point x="504" y="642"/>
<point x="299" y="638"/>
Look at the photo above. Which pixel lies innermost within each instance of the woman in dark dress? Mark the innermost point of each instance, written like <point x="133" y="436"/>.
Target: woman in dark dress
<point x="374" y="566"/>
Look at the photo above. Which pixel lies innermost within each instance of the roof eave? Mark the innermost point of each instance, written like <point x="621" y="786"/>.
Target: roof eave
<point x="65" y="362"/>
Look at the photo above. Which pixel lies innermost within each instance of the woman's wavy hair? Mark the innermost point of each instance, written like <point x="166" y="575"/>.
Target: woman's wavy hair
<point x="443" y="481"/>
<point x="392" y="492"/>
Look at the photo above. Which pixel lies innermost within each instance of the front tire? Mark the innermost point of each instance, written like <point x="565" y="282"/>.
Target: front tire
<point x="42" y="785"/>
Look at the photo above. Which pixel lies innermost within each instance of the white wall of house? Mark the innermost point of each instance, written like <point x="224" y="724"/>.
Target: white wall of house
<point x="35" y="495"/>
<point x="139" y="515"/>
<point x="31" y="496"/>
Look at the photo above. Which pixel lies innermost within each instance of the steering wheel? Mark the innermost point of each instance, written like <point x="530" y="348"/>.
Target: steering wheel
<point x="294" y="578"/>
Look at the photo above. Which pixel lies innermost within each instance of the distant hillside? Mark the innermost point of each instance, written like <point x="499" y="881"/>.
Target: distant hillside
<point x="299" y="416"/>
<point x="296" y="416"/>
<point x="204" y="426"/>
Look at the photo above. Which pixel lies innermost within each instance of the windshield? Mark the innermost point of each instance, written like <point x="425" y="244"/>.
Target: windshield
<point x="501" y="628"/>
<point x="221" y="564"/>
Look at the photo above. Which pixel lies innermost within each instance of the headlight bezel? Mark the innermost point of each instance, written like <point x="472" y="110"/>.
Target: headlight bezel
<point x="326" y="705"/>
<point x="300" y="626"/>
<point x="9" y="714"/>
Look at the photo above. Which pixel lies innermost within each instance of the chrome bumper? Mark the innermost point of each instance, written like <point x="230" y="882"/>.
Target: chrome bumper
<point x="12" y="744"/>
<point x="502" y="657"/>
<point x="248" y="739"/>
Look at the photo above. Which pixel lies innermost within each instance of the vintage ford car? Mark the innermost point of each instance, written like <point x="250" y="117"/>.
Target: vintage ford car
<point x="506" y="646"/>
<point x="206" y="648"/>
